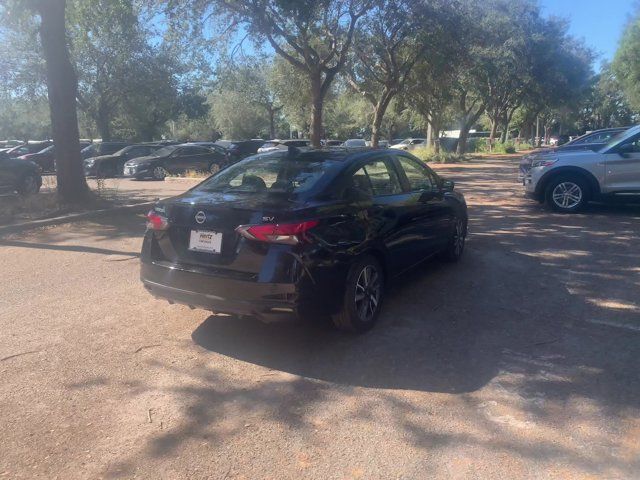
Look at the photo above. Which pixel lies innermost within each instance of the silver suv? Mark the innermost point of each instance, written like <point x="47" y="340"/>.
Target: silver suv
<point x="566" y="181"/>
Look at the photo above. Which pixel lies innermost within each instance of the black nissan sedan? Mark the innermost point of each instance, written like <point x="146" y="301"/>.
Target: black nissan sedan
<point x="292" y="233"/>
<point x="176" y="159"/>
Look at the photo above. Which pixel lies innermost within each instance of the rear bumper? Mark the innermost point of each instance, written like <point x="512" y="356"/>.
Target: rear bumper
<point x="266" y="301"/>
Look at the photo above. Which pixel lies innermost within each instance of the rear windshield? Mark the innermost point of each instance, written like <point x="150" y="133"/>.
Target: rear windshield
<point x="274" y="173"/>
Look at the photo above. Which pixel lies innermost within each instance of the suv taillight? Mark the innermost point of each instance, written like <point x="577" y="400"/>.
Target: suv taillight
<point x="288" y="233"/>
<point x="155" y="221"/>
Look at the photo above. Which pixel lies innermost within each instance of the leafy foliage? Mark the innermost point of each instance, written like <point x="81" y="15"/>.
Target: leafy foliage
<point x="626" y="64"/>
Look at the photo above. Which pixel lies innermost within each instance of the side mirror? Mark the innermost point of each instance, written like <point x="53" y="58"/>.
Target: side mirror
<point x="448" y="185"/>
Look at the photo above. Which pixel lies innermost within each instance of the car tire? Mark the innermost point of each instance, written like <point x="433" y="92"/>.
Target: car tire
<point x="567" y="194"/>
<point x="29" y="185"/>
<point x="362" y="301"/>
<point x="159" y="173"/>
<point x="455" y="247"/>
<point x="214" y="168"/>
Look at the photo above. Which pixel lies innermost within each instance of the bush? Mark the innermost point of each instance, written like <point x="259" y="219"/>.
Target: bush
<point x="482" y="145"/>
<point x="525" y="146"/>
<point x="428" y="154"/>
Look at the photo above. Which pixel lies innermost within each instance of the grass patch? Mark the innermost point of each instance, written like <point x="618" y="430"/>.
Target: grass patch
<point x="191" y="174"/>
<point x="47" y="203"/>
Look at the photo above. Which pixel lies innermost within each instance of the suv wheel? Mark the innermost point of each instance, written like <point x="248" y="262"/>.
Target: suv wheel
<point x="28" y="185"/>
<point x="214" y="168"/>
<point x="567" y="194"/>
<point x="159" y="173"/>
<point x="363" y="296"/>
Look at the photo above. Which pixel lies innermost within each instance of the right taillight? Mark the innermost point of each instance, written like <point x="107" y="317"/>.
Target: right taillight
<point x="286" y="233"/>
<point x="156" y="221"/>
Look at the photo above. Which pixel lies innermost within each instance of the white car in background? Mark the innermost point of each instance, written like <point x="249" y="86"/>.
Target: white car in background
<point x="410" y="144"/>
<point x="381" y="143"/>
<point x="273" y="145"/>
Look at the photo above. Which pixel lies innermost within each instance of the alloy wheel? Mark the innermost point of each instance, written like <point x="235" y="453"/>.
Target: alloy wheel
<point x="368" y="291"/>
<point x="459" y="237"/>
<point x="159" y="173"/>
<point x="214" y="168"/>
<point x="29" y="185"/>
<point x="567" y="195"/>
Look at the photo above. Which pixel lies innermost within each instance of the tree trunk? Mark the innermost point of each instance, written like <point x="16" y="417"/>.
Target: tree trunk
<point x="103" y="123"/>
<point x="494" y="131"/>
<point x="462" y="139"/>
<point x="429" y="134"/>
<point x="317" y="99"/>
<point x="272" y="123"/>
<point x="380" y="110"/>
<point x="62" y="86"/>
<point x="435" y="132"/>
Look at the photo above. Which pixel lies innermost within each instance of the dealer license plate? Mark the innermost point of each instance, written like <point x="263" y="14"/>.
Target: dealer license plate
<point x="205" y="241"/>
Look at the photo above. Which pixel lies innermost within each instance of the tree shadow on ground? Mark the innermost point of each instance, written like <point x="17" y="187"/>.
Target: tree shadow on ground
<point x="534" y="337"/>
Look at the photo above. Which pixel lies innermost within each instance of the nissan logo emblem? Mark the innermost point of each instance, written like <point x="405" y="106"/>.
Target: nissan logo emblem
<point x="201" y="217"/>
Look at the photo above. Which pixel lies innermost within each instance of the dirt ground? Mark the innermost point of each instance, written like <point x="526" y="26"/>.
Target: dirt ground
<point x="521" y="361"/>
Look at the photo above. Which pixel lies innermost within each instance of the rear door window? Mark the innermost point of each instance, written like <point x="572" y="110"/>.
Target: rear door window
<point x="383" y="178"/>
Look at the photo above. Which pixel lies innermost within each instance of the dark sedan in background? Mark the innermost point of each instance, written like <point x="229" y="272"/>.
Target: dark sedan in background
<point x="26" y="148"/>
<point x="295" y="233"/>
<point x="176" y="159"/>
<point x="18" y="176"/>
<point x="593" y="141"/>
<point x="102" y="148"/>
<point x="113" y="165"/>
<point x="46" y="158"/>
<point x="238" y="150"/>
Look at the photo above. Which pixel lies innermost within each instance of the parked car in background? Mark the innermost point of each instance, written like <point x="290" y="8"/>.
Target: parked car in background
<point x="355" y="143"/>
<point x="175" y="159"/>
<point x="26" y="148"/>
<point x="381" y="143"/>
<point x="102" y="148"/>
<point x="332" y="143"/>
<point x="46" y="158"/>
<point x="591" y="141"/>
<point x="273" y="145"/>
<point x="19" y="176"/>
<point x="113" y="165"/>
<point x="283" y="234"/>
<point x="242" y="149"/>
<point x="567" y="180"/>
<point x="8" y="144"/>
<point x="410" y="144"/>
<point x="224" y="143"/>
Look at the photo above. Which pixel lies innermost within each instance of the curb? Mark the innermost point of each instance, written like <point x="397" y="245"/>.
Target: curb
<point x="73" y="217"/>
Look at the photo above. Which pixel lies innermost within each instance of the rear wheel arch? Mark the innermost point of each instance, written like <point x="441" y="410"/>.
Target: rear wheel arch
<point x="380" y="256"/>
<point x="592" y="181"/>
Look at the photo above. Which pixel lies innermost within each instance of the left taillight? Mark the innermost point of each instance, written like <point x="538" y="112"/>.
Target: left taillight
<point x="156" y="221"/>
<point x="287" y="233"/>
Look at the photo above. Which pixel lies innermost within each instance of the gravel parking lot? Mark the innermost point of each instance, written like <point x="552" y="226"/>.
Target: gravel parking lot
<point x="521" y="361"/>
